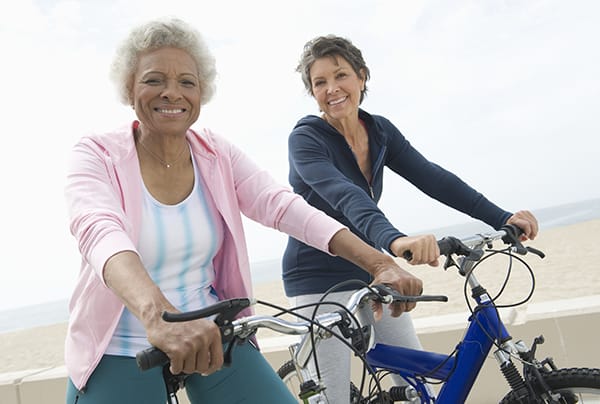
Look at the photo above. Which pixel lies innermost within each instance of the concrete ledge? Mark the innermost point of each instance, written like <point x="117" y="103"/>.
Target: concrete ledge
<point x="458" y="321"/>
<point x="11" y="384"/>
<point x="564" y="323"/>
<point x="514" y="316"/>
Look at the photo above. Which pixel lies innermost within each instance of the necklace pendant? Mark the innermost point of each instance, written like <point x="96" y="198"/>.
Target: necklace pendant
<point x="168" y="165"/>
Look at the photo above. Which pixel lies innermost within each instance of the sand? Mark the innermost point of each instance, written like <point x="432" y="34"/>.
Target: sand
<point x="570" y="269"/>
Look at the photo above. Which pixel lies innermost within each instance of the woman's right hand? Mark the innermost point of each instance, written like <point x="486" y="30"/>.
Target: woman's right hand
<point x="423" y="248"/>
<point x="192" y="346"/>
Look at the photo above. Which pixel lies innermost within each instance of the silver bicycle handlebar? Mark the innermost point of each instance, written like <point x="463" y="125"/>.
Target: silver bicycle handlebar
<point x="246" y="326"/>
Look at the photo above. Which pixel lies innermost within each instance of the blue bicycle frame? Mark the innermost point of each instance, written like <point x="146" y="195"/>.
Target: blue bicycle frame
<point x="458" y="371"/>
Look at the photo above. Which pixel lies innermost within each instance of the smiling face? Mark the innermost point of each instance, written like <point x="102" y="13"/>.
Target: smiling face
<point x="336" y="87"/>
<point x="166" y="91"/>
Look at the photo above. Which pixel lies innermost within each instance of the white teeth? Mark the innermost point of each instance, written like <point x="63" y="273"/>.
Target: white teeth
<point x="338" y="101"/>
<point x="170" y="111"/>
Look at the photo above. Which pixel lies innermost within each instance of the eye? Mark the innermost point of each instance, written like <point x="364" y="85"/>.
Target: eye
<point x="152" y="81"/>
<point x="318" y="83"/>
<point x="188" y="83"/>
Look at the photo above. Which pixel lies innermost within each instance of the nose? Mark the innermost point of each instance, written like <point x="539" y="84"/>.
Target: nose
<point x="171" y="91"/>
<point x="332" y="89"/>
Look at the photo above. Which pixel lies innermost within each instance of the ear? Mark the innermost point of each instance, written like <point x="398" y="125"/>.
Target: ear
<point x="130" y="94"/>
<point x="363" y="79"/>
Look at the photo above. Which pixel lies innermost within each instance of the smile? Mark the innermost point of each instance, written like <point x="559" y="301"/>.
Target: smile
<point x="337" y="101"/>
<point x="170" y="111"/>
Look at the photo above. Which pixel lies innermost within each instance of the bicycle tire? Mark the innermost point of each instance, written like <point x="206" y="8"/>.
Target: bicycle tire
<point x="576" y="385"/>
<point x="287" y="373"/>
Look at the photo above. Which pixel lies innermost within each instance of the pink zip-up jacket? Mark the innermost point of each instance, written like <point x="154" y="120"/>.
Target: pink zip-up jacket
<point x="104" y="197"/>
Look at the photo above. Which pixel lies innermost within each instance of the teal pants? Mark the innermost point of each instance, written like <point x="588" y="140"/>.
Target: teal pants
<point x="250" y="379"/>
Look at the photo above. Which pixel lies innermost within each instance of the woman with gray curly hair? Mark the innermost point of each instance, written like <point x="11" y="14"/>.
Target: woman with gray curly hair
<point x="156" y="209"/>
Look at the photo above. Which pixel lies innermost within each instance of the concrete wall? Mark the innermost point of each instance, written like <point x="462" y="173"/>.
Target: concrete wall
<point x="569" y="327"/>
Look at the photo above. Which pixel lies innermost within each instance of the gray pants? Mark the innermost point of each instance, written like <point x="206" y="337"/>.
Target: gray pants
<point x="334" y="357"/>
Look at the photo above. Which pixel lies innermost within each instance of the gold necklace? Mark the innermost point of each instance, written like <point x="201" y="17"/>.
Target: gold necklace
<point x="156" y="156"/>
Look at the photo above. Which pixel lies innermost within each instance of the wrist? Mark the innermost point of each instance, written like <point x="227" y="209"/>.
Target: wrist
<point x="150" y="311"/>
<point x="396" y="246"/>
<point x="381" y="265"/>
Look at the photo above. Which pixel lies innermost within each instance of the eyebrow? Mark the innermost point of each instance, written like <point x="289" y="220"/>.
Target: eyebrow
<point x="335" y="71"/>
<point x="196" y="76"/>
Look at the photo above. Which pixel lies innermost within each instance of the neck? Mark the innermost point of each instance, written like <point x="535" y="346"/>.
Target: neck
<point x="165" y="149"/>
<point x="351" y="128"/>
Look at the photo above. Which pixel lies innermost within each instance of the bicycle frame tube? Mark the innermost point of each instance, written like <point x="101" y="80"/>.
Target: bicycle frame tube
<point x="459" y="371"/>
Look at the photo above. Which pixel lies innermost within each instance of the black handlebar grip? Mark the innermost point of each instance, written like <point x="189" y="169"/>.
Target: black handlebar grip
<point x="385" y="290"/>
<point x="447" y="246"/>
<point x="150" y="358"/>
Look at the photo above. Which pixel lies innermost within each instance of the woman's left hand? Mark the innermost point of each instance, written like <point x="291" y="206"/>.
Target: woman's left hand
<point x="527" y="222"/>
<point x="402" y="281"/>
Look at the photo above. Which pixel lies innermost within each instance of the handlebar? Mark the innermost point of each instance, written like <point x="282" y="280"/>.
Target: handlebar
<point x="470" y="247"/>
<point x="245" y="327"/>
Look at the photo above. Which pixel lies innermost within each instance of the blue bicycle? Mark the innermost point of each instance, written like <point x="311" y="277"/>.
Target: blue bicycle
<point x="540" y="381"/>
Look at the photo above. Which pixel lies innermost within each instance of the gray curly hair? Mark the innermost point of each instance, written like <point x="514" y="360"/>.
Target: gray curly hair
<point x="164" y="32"/>
<point x="332" y="46"/>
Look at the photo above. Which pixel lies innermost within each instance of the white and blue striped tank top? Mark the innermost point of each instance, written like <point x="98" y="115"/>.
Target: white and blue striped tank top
<point x="177" y="245"/>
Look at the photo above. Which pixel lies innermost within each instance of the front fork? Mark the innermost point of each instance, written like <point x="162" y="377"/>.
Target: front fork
<point x="531" y="383"/>
<point x="507" y="367"/>
<point x="311" y="391"/>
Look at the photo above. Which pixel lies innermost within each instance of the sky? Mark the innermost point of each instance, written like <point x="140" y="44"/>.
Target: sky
<point x="506" y="94"/>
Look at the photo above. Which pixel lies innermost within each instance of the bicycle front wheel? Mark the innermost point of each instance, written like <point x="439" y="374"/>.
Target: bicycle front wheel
<point x="290" y="377"/>
<point x="574" y="385"/>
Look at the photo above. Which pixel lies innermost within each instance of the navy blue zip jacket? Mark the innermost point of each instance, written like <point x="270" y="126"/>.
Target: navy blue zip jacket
<point x="325" y="172"/>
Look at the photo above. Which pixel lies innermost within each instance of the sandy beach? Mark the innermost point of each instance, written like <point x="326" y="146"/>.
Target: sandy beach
<point x="570" y="269"/>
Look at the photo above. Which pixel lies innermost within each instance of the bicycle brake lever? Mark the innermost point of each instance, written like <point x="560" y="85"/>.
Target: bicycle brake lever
<point x="223" y="308"/>
<point x="227" y="354"/>
<point x="385" y="291"/>
<point x="224" y="319"/>
<point x="512" y="237"/>
<point x="536" y="252"/>
<point x="226" y="311"/>
<point x="227" y="314"/>
<point x="450" y="262"/>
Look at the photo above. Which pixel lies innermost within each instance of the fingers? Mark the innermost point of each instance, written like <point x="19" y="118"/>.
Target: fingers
<point x="423" y="249"/>
<point x="198" y="349"/>
<point x="405" y="283"/>
<point x="377" y="310"/>
<point x="216" y="356"/>
<point x="398" y="308"/>
<point x="176" y="366"/>
<point x="434" y="263"/>
<point x="207" y="361"/>
<point x="525" y="220"/>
